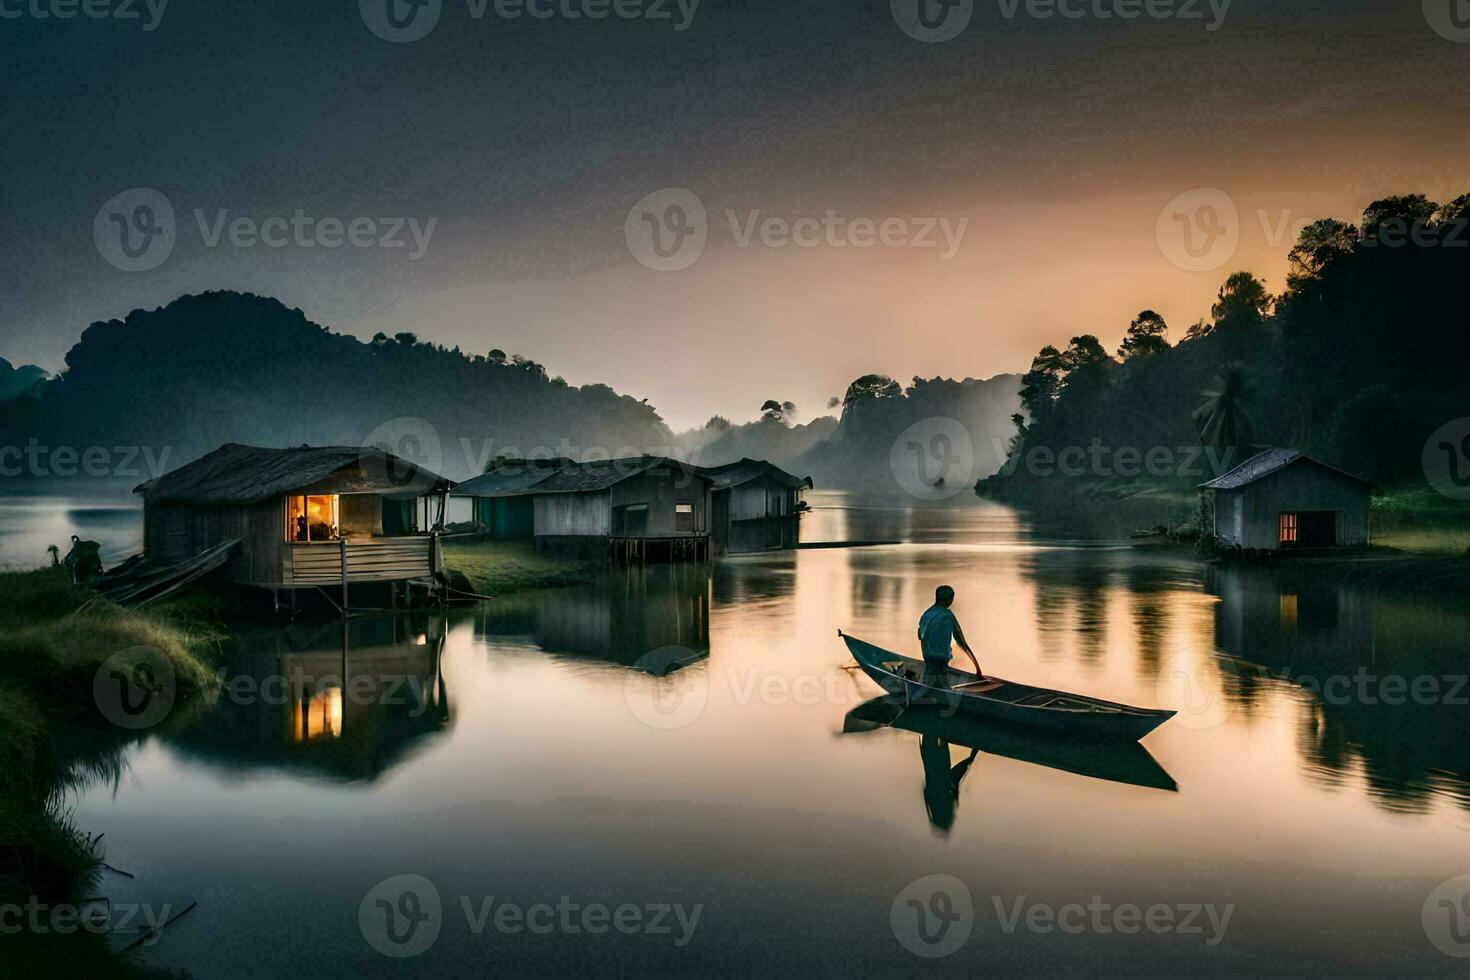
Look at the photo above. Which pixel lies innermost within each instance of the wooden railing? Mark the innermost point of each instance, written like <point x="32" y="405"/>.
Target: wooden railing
<point x="363" y="560"/>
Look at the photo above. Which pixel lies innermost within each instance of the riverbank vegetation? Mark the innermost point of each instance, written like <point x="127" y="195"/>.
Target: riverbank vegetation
<point x="1357" y="363"/>
<point x="54" y="637"/>
<point x="497" y="568"/>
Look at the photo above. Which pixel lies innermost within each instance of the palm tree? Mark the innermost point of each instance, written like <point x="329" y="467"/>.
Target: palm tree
<point x="1222" y="419"/>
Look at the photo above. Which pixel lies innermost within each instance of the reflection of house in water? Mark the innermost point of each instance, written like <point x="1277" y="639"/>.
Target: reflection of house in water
<point x="1267" y="613"/>
<point x="631" y="619"/>
<point x="349" y="699"/>
<point x="1358" y="654"/>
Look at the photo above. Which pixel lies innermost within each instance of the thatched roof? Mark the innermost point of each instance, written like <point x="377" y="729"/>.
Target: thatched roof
<point x="1262" y="465"/>
<point x="236" y="474"/>
<point x="734" y="474"/>
<point x="519" y="477"/>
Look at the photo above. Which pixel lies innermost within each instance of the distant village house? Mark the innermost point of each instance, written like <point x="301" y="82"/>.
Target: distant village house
<point x="1284" y="499"/>
<point x="755" y="506"/>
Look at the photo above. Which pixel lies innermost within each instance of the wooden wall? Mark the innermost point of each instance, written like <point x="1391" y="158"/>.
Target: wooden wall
<point x="661" y="491"/>
<point x="1250" y="517"/>
<point x="174" y="532"/>
<point x="573" y="514"/>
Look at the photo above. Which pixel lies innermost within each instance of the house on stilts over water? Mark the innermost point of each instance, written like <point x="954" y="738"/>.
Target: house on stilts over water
<point x="325" y="518"/>
<point x="631" y="510"/>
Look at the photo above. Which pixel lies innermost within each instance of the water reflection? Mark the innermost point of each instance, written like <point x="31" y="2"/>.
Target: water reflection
<point x="939" y="731"/>
<point x="1380" y="678"/>
<point x="347" y="700"/>
<point x="654" y="618"/>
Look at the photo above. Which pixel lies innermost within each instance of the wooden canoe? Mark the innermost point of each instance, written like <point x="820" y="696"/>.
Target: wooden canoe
<point x="1001" y="700"/>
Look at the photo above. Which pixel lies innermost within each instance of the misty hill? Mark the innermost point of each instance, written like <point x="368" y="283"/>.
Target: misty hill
<point x="767" y="438"/>
<point x="231" y="367"/>
<point x="16" y="381"/>
<point x="879" y="415"/>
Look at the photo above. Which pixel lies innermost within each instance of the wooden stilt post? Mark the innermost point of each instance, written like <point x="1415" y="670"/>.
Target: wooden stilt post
<point x="345" y="604"/>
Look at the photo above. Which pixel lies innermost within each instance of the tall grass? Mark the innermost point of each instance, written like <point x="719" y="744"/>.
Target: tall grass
<point x="54" y="637"/>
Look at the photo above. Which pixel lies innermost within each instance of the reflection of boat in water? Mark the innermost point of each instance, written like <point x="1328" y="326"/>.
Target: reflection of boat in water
<point x="910" y="681"/>
<point x="1114" y="761"/>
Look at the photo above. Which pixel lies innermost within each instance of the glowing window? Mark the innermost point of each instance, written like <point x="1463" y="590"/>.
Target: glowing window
<point x="311" y="518"/>
<point x="1288" y="528"/>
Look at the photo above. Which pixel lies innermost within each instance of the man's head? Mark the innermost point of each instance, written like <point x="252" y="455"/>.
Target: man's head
<point x="944" y="596"/>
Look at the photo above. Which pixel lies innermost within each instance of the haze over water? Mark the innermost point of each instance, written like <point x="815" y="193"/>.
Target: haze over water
<point x="535" y="760"/>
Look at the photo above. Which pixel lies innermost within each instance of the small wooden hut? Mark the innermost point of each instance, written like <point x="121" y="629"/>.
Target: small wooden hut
<point x="1282" y="498"/>
<point x="641" y="508"/>
<point x="755" y="506"/>
<point x="304" y="517"/>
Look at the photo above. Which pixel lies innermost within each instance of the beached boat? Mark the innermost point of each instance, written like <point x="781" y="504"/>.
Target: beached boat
<point x="911" y="683"/>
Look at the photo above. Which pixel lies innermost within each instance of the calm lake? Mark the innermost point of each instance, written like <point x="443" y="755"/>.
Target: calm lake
<point x="674" y="772"/>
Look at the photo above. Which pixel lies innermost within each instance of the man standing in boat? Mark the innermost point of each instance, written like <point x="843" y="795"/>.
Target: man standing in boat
<point x="937" y="628"/>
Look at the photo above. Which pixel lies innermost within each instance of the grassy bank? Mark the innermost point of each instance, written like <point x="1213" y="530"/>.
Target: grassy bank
<point x="54" y="637"/>
<point x="496" y="568"/>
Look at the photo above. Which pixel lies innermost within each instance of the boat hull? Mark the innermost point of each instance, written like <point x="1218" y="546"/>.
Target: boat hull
<point x="908" y="681"/>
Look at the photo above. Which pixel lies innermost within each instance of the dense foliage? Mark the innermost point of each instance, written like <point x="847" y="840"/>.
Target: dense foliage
<point x="1358" y="363"/>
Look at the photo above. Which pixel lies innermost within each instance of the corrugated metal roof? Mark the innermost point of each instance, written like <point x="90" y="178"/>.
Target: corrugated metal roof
<point x="236" y="474"/>
<point x="1263" y="465"/>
